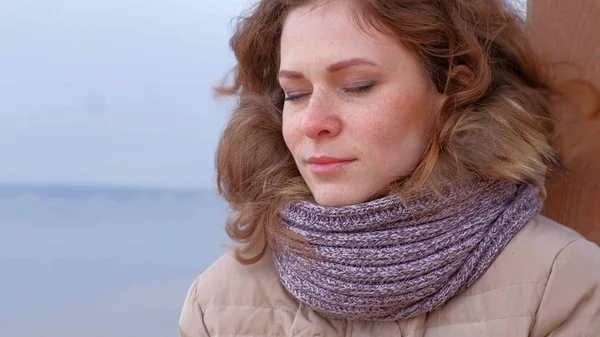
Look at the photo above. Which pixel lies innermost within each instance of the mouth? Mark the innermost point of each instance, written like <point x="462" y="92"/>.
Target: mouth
<point x="327" y="165"/>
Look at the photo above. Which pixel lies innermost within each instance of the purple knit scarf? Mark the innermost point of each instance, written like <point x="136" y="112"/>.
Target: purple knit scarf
<point x="381" y="260"/>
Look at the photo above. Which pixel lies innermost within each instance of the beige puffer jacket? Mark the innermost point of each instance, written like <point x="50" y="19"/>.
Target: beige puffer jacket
<point x="545" y="283"/>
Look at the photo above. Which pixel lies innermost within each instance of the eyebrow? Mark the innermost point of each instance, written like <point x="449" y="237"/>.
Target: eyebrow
<point x="332" y="68"/>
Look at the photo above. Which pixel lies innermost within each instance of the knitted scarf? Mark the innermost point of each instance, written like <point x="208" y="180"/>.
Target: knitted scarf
<point x="384" y="260"/>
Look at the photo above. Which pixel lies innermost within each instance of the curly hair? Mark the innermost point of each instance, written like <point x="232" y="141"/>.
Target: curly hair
<point x="495" y="121"/>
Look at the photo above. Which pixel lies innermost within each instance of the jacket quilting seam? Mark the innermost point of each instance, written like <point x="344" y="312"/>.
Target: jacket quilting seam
<point x="265" y="307"/>
<point x="472" y="322"/>
<point x="349" y="328"/>
<point x="550" y="275"/>
<point x="502" y="287"/>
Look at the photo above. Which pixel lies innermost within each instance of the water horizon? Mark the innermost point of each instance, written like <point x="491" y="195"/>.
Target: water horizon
<point x="102" y="260"/>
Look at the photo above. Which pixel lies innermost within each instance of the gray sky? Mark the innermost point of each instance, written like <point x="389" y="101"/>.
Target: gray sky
<point x="112" y="91"/>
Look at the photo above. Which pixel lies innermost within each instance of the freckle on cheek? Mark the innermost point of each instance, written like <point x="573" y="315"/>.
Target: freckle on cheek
<point x="381" y="133"/>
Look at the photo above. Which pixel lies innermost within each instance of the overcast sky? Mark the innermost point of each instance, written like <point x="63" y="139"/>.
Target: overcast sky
<point x="112" y="91"/>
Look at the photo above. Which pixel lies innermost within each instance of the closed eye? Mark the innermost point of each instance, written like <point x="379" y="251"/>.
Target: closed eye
<point x="359" y="89"/>
<point x="352" y="90"/>
<point x="291" y="98"/>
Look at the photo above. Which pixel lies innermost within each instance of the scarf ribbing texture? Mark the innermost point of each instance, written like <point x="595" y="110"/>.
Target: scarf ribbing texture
<point x="389" y="260"/>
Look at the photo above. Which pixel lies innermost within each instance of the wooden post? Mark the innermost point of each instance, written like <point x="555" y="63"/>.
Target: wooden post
<point x="567" y="34"/>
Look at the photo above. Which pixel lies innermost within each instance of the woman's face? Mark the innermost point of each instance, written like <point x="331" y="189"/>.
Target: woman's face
<point x="358" y="107"/>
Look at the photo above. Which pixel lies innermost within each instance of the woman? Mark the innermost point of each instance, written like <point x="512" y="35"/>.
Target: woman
<point x="385" y="166"/>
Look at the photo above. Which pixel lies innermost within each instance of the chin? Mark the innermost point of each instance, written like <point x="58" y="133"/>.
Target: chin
<point x="337" y="199"/>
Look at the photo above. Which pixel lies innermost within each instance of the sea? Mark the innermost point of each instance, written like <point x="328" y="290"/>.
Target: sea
<point x="92" y="261"/>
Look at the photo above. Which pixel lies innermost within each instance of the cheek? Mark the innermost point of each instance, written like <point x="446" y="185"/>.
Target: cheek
<point x="392" y="123"/>
<point x="398" y="130"/>
<point x="409" y="114"/>
<point x="290" y="132"/>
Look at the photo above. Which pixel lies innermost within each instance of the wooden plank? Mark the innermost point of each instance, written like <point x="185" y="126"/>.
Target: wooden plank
<point x="567" y="33"/>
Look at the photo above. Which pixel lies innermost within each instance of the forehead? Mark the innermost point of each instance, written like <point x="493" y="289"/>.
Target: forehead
<point x="327" y="32"/>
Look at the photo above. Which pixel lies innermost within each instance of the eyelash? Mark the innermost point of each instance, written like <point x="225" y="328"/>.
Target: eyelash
<point x="355" y="90"/>
<point x="361" y="89"/>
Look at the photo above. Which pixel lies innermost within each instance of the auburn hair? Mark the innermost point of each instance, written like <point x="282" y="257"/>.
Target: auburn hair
<point x="495" y="122"/>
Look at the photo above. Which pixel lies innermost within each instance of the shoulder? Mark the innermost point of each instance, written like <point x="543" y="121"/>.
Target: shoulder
<point x="231" y="299"/>
<point x="228" y="283"/>
<point x="553" y="274"/>
<point x="563" y="254"/>
<point x="545" y="242"/>
<point x="570" y="302"/>
<point x="532" y="254"/>
<point x="543" y="230"/>
<point x="546" y="274"/>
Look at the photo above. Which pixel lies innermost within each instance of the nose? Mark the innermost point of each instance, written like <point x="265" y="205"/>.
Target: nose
<point x="320" y="120"/>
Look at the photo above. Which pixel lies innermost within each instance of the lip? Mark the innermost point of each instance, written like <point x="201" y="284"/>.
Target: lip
<point x="327" y="165"/>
